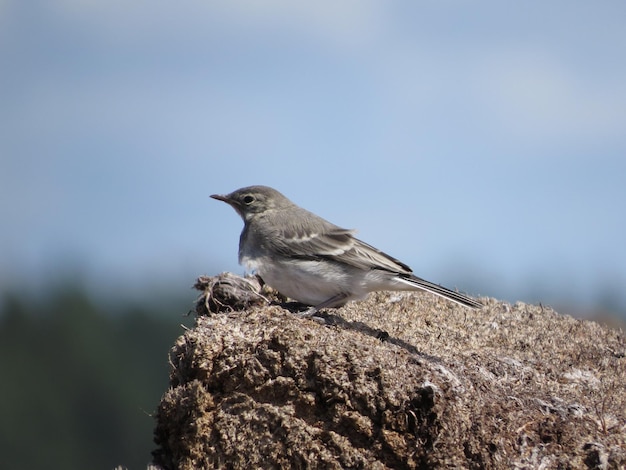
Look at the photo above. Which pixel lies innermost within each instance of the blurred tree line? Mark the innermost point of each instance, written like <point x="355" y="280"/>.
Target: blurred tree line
<point x="79" y="381"/>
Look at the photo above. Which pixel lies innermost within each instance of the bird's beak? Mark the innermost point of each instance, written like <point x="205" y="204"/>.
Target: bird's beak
<point x="220" y="197"/>
<point x="228" y="200"/>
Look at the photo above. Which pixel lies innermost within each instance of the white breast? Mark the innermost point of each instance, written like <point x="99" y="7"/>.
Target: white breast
<point x="309" y="282"/>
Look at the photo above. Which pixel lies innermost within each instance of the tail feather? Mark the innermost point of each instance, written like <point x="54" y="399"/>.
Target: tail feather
<point x="436" y="289"/>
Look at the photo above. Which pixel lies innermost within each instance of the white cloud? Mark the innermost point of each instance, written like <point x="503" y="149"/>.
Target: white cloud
<point x="538" y="96"/>
<point x="346" y="24"/>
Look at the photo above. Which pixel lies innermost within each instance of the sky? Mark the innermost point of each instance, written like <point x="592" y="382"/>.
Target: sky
<point x="482" y="143"/>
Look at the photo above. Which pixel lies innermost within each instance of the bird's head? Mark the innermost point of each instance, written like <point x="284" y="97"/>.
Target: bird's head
<point x="254" y="200"/>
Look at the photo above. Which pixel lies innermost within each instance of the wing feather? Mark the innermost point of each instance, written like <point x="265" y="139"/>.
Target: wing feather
<point x="321" y="239"/>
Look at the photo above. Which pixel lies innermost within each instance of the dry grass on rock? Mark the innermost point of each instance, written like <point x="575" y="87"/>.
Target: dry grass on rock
<point x="508" y="386"/>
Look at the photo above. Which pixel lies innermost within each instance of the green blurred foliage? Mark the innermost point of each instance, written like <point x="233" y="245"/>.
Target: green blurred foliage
<point x="79" y="381"/>
<point x="79" y="384"/>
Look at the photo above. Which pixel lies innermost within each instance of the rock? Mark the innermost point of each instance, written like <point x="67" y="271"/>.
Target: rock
<point x="508" y="386"/>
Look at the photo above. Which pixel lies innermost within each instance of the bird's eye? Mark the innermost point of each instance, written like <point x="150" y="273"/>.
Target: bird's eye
<point x="248" y="199"/>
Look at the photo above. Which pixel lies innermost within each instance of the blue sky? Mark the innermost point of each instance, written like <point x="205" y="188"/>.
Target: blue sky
<point x="482" y="143"/>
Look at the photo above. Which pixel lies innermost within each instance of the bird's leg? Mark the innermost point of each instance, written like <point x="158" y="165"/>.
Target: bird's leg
<point x="334" y="300"/>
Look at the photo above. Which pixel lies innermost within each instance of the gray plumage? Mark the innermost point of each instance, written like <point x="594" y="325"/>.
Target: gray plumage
<point x="313" y="261"/>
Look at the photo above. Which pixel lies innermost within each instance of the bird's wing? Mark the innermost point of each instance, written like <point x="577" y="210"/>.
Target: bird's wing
<point x="321" y="239"/>
<point x="373" y="258"/>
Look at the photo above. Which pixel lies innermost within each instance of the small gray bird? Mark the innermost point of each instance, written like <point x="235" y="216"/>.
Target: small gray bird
<point x="315" y="262"/>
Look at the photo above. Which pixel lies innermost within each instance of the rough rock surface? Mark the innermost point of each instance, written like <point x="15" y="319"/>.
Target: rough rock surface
<point x="397" y="381"/>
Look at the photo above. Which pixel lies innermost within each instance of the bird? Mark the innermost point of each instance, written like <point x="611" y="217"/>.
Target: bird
<point x="313" y="261"/>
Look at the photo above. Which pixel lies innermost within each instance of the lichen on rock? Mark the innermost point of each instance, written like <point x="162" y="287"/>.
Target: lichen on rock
<point x="508" y="386"/>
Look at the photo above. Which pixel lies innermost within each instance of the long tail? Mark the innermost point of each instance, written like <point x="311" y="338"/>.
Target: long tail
<point x="440" y="291"/>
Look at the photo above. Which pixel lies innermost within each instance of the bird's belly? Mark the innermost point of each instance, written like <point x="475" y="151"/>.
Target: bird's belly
<point x="309" y="282"/>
